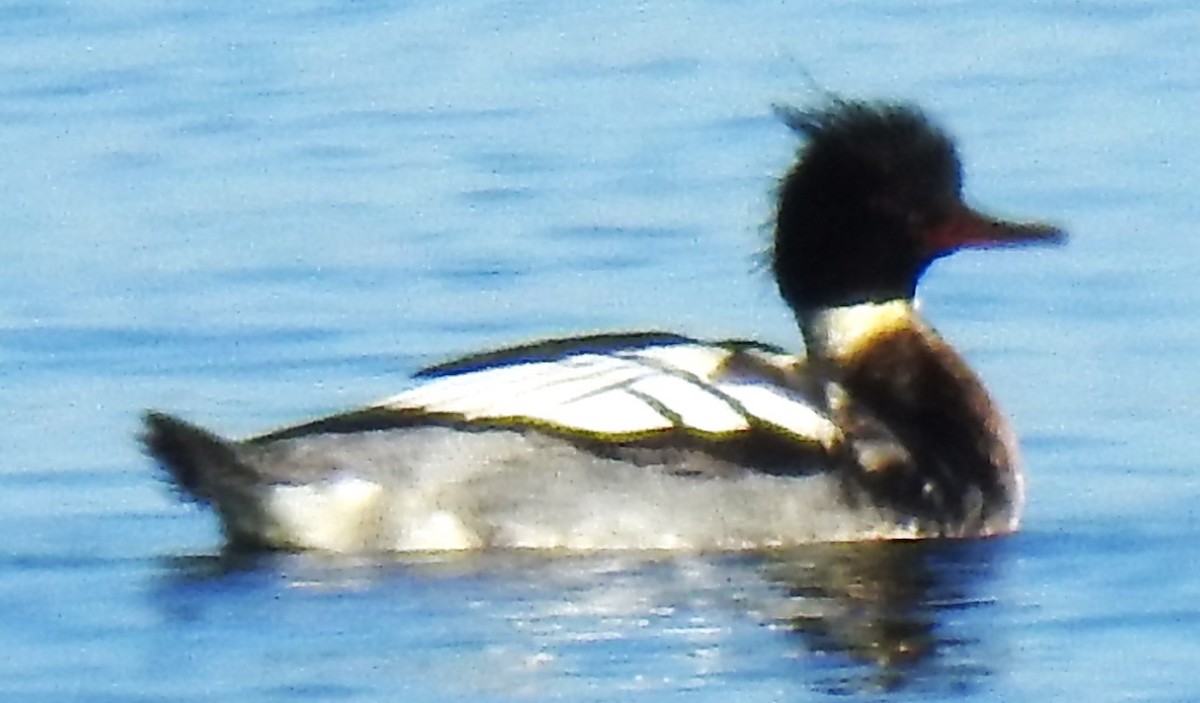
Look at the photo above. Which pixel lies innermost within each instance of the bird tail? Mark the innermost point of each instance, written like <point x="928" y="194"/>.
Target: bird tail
<point x="205" y="468"/>
<point x="198" y="462"/>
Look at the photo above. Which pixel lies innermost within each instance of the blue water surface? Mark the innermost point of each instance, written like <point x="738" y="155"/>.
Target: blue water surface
<point x="256" y="213"/>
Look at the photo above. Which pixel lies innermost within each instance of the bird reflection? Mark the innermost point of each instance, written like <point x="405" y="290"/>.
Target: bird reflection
<point x="884" y="608"/>
<point x="853" y="618"/>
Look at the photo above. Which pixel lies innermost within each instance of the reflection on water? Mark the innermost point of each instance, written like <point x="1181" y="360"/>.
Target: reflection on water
<point x="886" y="609"/>
<point x="860" y="618"/>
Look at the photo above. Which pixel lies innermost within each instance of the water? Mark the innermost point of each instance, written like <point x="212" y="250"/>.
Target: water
<point x="253" y="215"/>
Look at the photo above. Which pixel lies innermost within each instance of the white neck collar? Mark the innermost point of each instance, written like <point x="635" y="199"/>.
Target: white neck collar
<point x="842" y="332"/>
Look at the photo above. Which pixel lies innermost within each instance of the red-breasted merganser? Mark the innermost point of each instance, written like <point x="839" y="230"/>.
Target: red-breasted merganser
<point x="656" y="440"/>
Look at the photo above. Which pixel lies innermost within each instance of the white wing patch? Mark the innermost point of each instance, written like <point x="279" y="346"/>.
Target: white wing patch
<point x="686" y="385"/>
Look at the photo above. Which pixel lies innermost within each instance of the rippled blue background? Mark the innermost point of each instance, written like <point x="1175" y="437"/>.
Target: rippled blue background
<point x="252" y="214"/>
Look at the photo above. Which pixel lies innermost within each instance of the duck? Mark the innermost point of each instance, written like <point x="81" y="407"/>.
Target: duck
<point x="876" y="429"/>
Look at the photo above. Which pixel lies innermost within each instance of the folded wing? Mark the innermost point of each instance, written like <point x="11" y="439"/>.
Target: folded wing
<point x="626" y="387"/>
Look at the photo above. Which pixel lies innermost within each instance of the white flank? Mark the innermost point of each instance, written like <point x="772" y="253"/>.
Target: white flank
<point x="340" y="515"/>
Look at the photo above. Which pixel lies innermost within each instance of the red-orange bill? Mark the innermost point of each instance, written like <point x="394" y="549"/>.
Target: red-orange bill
<point x="971" y="228"/>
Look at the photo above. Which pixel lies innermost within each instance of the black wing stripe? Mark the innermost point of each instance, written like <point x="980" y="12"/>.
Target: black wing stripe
<point x="752" y="419"/>
<point x="552" y="350"/>
<point x="658" y="406"/>
<point x="706" y="387"/>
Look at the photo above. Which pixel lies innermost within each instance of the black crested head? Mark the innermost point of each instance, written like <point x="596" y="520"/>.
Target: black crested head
<point x="874" y="197"/>
<point x="868" y="180"/>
